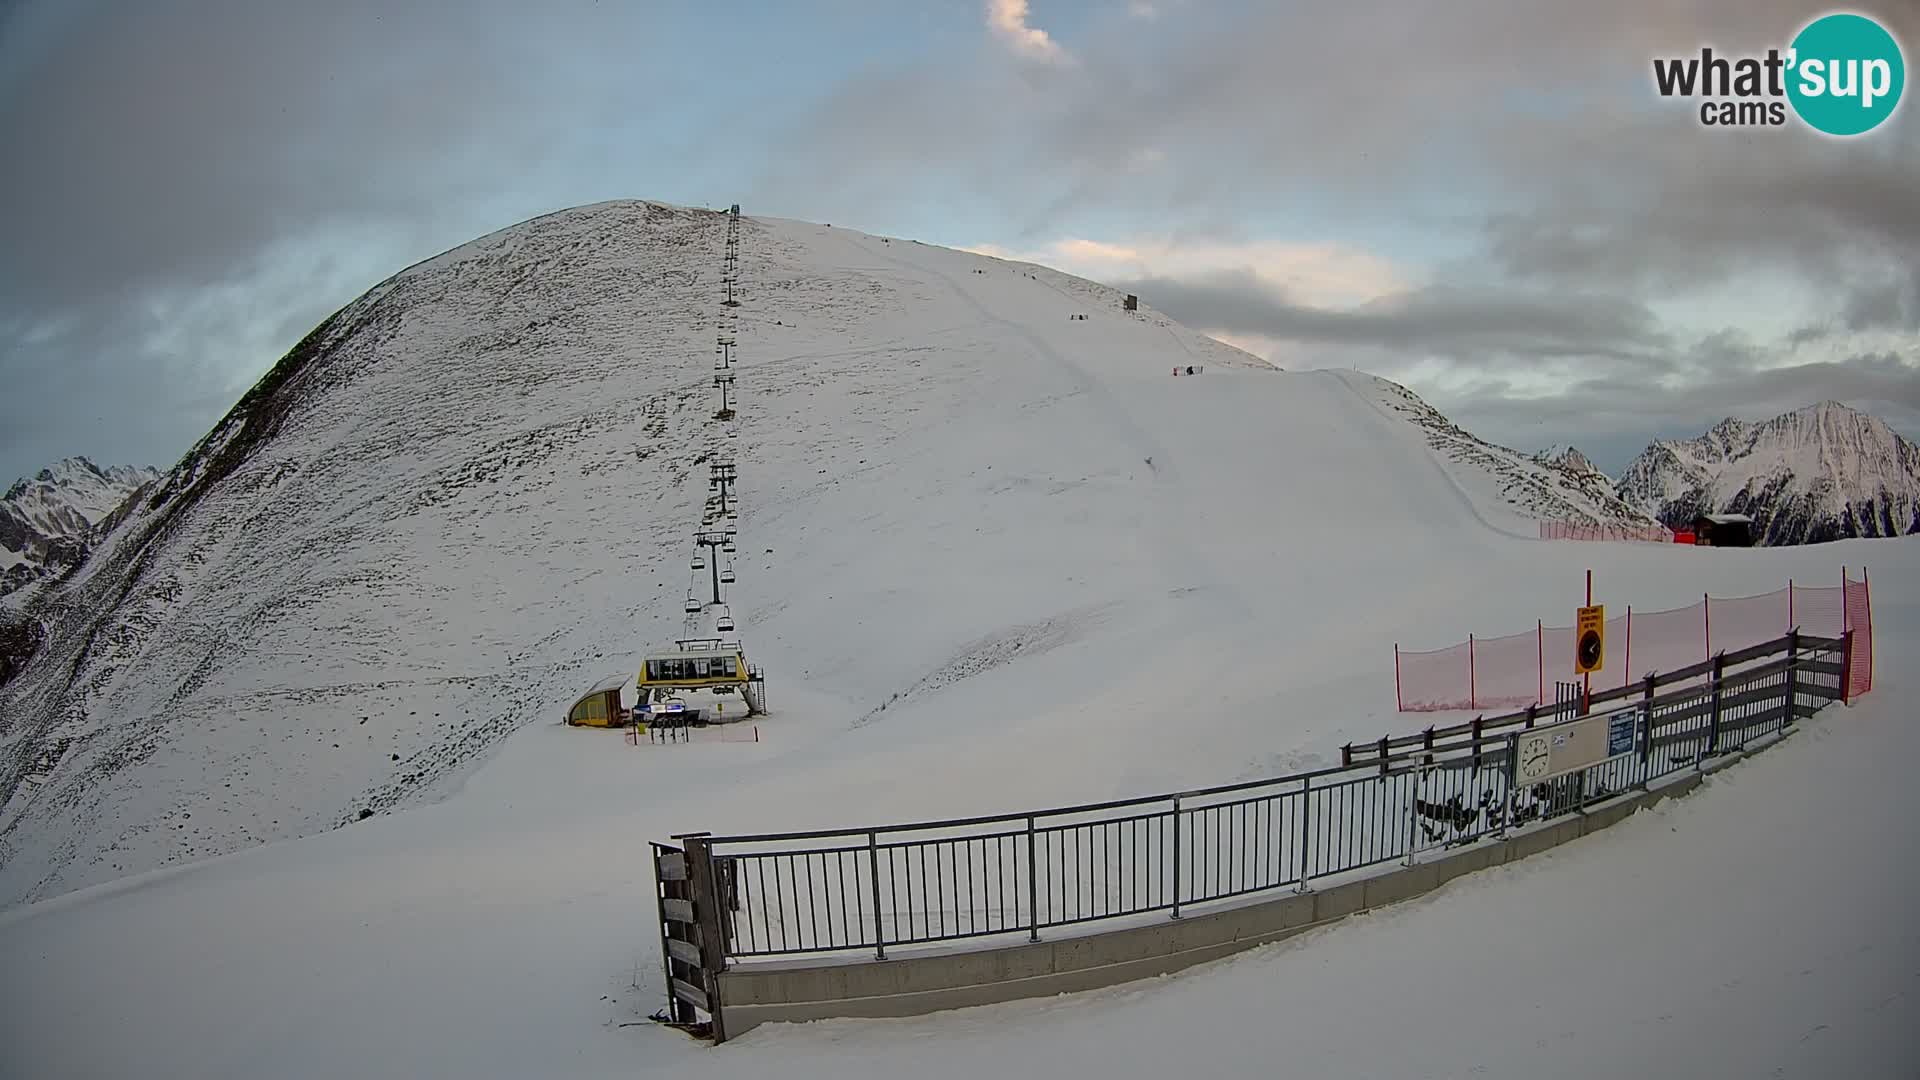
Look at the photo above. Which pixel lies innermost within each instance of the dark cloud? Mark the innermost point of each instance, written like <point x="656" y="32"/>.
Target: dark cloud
<point x="193" y="184"/>
<point x="1613" y="418"/>
<point x="1440" y="320"/>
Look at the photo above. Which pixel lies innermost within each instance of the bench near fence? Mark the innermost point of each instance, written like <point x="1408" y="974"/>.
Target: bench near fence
<point x="772" y="926"/>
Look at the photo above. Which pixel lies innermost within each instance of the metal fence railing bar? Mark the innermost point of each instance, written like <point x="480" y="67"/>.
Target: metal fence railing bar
<point x="874" y="888"/>
<point x="1515" y="670"/>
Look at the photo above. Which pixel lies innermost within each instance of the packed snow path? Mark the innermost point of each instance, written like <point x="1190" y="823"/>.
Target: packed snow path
<point x="1757" y="928"/>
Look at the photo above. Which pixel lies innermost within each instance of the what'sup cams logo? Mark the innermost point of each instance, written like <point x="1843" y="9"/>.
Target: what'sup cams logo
<point x="1842" y="74"/>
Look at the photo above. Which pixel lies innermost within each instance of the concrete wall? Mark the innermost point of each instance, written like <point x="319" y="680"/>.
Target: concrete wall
<point x="912" y="984"/>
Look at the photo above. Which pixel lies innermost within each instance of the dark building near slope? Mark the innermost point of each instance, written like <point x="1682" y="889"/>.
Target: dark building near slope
<point x="1723" y="530"/>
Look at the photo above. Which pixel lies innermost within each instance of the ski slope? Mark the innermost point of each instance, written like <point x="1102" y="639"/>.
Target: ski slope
<point x="469" y="496"/>
<point x="1065" y="575"/>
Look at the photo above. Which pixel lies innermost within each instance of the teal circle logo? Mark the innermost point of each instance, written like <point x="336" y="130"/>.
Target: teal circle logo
<point x="1845" y="74"/>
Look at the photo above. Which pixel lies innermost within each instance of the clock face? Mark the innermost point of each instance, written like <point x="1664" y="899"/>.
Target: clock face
<point x="1533" y="757"/>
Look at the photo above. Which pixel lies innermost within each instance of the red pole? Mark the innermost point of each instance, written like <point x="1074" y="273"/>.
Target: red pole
<point x="1540" y="648"/>
<point x="1473" y="680"/>
<point x="1586" y="680"/>
<point x="1706" y="614"/>
<point x="1626" y="668"/>
<point x="1866" y="593"/>
<point x="1846" y="624"/>
<point x="1399" y="703"/>
<point x="1789" y="603"/>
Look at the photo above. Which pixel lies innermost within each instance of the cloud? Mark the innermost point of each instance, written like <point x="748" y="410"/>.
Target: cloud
<point x="1477" y="196"/>
<point x="195" y="186"/>
<point x="1612" y="418"/>
<point x="1324" y="274"/>
<point x="1140" y="9"/>
<point x="1007" y="20"/>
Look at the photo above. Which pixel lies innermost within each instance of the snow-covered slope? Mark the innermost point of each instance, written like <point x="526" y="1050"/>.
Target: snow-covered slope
<point x="468" y="495"/>
<point x="1515" y="489"/>
<point x="1825" y="472"/>
<point x="1067" y="576"/>
<point x="47" y="521"/>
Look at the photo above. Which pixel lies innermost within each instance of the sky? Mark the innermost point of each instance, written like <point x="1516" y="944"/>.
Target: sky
<point x="1483" y="200"/>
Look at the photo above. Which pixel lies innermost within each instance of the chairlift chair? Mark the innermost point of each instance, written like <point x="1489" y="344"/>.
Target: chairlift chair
<point x="726" y="576"/>
<point x="699" y="562"/>
<point x="727" y="545"/>
<point x="724" y="623"/>
<point x="693" y="606"/>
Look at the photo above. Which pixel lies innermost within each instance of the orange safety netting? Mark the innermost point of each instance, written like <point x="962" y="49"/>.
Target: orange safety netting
<point x="1587" y="530"/>
<point x="1520" y="669"/>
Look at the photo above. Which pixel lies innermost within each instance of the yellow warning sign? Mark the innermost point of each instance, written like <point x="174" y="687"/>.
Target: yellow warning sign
<point x="1590" y="639"/>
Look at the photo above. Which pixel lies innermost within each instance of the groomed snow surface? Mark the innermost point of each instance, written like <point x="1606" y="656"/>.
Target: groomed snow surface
<point x="1760" y="927"/>
<point x="1069" y="577"/>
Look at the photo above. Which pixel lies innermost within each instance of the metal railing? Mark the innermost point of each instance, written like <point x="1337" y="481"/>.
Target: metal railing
<point x="780" y="894"/>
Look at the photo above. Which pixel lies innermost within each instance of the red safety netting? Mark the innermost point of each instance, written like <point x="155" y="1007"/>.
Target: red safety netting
<point x="1507" y="671"/>
<point x="1440" y="679"/>
<point x="1859" y="619"/>
<point x="1520" y="669"/>
<point x="1586" y="530"/>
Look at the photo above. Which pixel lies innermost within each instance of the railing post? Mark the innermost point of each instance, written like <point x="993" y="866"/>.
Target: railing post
<point x="1477" y="726"/>
<point x="1512" y="772"/>
<point x="1531" y="710"/>
<point x="1306" y="800"/>
<point x="1033" y="885"/>
<point x="1713" y="715"/>
<point x="1413" y="814"/>
<point x="705" y="892"/>
<point x="1793" y="676"/>
<point x="1846" y="658"/>
<point x="1383" y="755"/>
<point x="873" y="875"/>
<point x="1646" y="729"/>
<point x="1176" y="856"/>
<point x="1346" y="756"/>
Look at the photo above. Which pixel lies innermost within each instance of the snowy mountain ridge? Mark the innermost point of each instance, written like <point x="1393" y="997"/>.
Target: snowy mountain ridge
<point x="47" y="522"/>
<point x="1818" y="473"/>
<point x="1549" y="486"/>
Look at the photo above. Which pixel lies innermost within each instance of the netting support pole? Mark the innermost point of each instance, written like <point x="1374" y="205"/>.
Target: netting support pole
<point x="1846" y="666"/>
<point x="1473" y="678"/>
<point x="1790" y="623"/>
<point x="1540" y="662"/>
<point x="1866" y="594"/>
<point x="1586" y="680"/>
<point x="1706" y="616"/>
<point x="1626" y="664"/>
<point x="1399" y="703"/>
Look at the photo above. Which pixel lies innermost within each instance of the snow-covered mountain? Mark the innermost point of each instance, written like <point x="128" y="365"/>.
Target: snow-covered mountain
<point x="1563" y="456"/>
<point x="468" y="495"/>
<point x="1824" y="472"/>
<point x="46" y="522"/>
<point x="1556" y="485"/>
